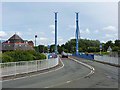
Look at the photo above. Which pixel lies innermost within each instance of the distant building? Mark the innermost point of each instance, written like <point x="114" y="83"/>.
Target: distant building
<point x="109" y="49"/>
<point x="31" y="43"/>
<point x="17" y="43"/>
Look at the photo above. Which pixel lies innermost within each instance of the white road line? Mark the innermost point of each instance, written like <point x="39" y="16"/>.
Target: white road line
<point x="86" y="65"/>
<point x="90" y="67"/>
<point x="58" y="84"/>
<point x="37" y="74"/>
<point x="68" y="81"/>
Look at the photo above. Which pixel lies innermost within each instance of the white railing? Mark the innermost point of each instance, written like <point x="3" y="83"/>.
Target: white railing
<point x="107" y="59"/>
<point x="13" y="68"/>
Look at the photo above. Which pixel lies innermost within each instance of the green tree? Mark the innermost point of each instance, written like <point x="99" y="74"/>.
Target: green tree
<point x="117" y="43"/>
<point x="107" y="44"/>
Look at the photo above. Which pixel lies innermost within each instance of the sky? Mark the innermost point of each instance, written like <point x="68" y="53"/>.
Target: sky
<point x="97" y="21"/>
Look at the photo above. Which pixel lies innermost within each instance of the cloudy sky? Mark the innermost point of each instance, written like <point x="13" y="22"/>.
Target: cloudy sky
<point x="97" y="20"/>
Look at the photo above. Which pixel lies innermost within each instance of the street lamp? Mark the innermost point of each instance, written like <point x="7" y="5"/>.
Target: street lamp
<point x="35" y="40"/>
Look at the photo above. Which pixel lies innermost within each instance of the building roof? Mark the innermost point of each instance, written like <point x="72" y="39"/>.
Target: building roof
<point x="15" y="36"/>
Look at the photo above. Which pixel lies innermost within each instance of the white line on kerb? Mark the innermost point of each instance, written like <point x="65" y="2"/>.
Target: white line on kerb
<point x="36" y="74"/>
<point x="90" y="67"/>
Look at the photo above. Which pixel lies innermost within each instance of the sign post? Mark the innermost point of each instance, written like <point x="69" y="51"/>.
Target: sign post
<point x="48" y="50"/>
<point x="100" y="48"/>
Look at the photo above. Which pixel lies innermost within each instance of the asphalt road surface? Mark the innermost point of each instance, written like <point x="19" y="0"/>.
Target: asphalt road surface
<point x="72" y="75"/>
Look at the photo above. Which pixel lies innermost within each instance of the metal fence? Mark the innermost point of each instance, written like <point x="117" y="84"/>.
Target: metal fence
<point x="107" y="59"/>
<point x="13" y="68"/>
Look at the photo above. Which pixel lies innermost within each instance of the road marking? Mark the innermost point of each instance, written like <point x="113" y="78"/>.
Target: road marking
<point x="37" y="74"/>
<point x="68" y="81"/>
<point x="86" y="65"/>
<point x="90" y="67"/>
<point x="58" y="84"/>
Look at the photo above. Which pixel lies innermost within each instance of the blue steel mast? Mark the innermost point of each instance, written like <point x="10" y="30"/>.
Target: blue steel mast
<point x="77" y="34"/>
<point x="55" y="32"/>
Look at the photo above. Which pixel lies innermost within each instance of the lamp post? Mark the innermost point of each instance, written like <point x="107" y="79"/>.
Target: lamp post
<point x="35" y="43"/>
<point x="35" y="40"/>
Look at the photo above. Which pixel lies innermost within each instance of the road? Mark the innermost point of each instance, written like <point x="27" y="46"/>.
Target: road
<point x="72" y="75"/>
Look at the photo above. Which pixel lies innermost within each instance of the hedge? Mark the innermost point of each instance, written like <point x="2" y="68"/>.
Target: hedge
<point x="18" y="55"/>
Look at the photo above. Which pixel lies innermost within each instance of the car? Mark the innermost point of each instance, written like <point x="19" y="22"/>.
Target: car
<point x="64" y="55"/>
<point x="52" y="55"/>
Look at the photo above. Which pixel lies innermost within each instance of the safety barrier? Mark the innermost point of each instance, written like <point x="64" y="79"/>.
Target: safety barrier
<point x="85" y="56"/>
<point x="14" y="68"/>
<point x="106" y="59"/>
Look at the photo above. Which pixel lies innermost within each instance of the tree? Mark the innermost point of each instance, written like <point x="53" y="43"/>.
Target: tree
<point x="117" y="43"/>
<point x="107" y="44"/>
<point x="52" y="48"/>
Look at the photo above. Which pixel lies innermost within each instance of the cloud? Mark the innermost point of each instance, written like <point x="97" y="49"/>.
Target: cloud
<point x="102" y="41"/>
<point x="19" y="33"/>
<point x="86" y="31"/>
<point x="108" y="36"/>
<point x="3" y="34"/>
<point x="96" y="31"/>
<point x="52" y="26"/>
<point x="42" y="33"/>
<point x="53" y="32"/>
<point x="72" y="27"/>
<point x="60" y="39"/>
<point x="72" y="38"/>
<point x="43" y="39"/>
<point x="109" y="33"/>
<point x="111" y="36"/>
<point x="29" y="29"/>
<point x="110" y="29"/>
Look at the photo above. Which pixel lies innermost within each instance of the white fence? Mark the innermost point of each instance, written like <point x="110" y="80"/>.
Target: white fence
<point x="107" y="59"/>
<point x="13" y="68"/>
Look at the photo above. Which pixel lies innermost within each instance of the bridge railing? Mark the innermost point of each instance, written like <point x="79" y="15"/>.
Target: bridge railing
<point x="14" y="68"/>
<point x="107" y="59"/>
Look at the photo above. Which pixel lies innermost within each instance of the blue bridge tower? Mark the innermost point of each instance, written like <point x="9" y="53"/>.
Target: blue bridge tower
<point x="56" y="33"/>
<point x="77" y="34"/>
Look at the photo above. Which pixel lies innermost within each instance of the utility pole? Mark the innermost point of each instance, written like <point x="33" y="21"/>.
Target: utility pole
<point x="56" y="32"/>
<point x="77" y="34"/>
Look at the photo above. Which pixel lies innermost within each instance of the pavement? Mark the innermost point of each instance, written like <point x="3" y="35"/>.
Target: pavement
<point x="72" y="75"/>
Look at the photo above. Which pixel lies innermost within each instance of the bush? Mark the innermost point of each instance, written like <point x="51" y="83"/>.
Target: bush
<point x="6" y="58"/>
<point x="19" y="55"/>
<point x="42" y="56"/>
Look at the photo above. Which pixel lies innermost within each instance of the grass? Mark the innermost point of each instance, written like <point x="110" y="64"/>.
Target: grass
<point x="103" y="53"/>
